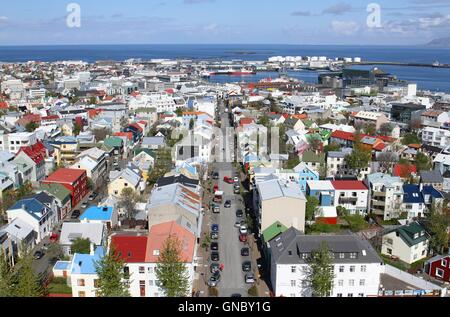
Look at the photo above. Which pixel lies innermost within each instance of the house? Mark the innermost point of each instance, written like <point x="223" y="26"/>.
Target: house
<point x="409" y="243"/>
<point x="438" y="267"/>
<point x="281" y="201"/>
<point x="327" y="215"/>
<point x="35" y="214"/>
<point x="352" y="195"/>
<point x="127" y="178"/>
<point x="434" y="117"/>
<point x="375" y="118"/>
<point x="323" y="191"/>
<point x="442" y="162"/>
<point x="436" y="137"/>
<point x="66" y="149"/>
<point x="34" y="156"/>
<point x="178" y="203"/>
<point x="73" y="179"/>
<point x="62" y="198"/>
<point x="92" y="169"/>
<point x="70" y="231"/>
<point x="83" y="274"/>
<point x="386" y="195"/>
<point x="136" y="130"/>
<point x="313" y="161"/>
<point x="432" y="178"/>
<point x="100" y="171"/>
<point x="15" y="235"/>
<point x="305" y="174"/>
<point x="153" y="143"/>
<point x="356" y="265"/>
<point x="117" y="144"/>
<point x="144" y="159"/>
<point x="102" y="214"/>
<point x="193" y="184"/>
<point x="13" y="142"/>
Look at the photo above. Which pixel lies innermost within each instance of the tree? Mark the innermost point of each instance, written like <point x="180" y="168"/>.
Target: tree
<point x="171" y="272"/>
<point x="370" y="129"/>
<point x="386" y="160"/>
<point x="423" y="162"/>
<point x="179" y="111"/>
<point x="5" y="276"/>
<point x="265" y="121"/>
<point x="332" y="147"/>
<point x="101" y="134"/>
<point x="323" y="170"/>
<point x="31" y="126"/>
<point x="311" y="207"/>
<point x="55" y="251"/>
<point x="77" y="129"/>
<point x="386" y="129"/>
<point x="27" y="283"/>
<point x="360" y="156"/>
<point x="191" y="124"/>
<point x="111" y="275"/>
<point x="93" y="101"/>
<point x="410" y="138"/>
<point x="127" y="201"/>
<point x="437" y="227"/>
<point x="356" y="222"/>
<point x="321" y="275"/>
<point x="315" y="144"/>
<point x="415" y="124"/>
<point x="80" y="245"/>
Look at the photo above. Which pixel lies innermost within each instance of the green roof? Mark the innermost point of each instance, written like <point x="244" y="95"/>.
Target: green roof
<point x="113" y="142"/>
<point x="274" y="230"/>
<point x="58" y="191"/>
<point x="407" y="233"/>
<point x="148" y="151"/>
<point x="308" y="123"/>
<point x="310" y="156"/>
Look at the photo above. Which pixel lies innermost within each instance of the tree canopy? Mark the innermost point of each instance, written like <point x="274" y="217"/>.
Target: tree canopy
<point x="80" y="245"/>
<point x="111" y="276"/>
<point x="321" y="275"/>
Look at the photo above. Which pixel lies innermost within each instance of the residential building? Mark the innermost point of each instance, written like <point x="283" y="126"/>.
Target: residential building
<point x="438" y="267"/>
<point x="432" y="178"/>
<point x="13" y="142"/>
<point x="66" y="150"/>
<point x="153" y="143"/>
<point x="406" y="112"/>
<point x="386" y="195"/>
<point x="375" y="118"/>
<point x="62" y="198"/>
<point x="96" y="233"/>
<point x="352" y="195"/>
<point x="436" y="137"/>
<point x="83" y="274"/>
<point x="34" y="156"/>
<point x="127" y="178"/>
<point x="102" y="214"/>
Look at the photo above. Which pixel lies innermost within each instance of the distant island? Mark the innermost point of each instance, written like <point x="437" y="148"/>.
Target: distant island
<point x="440" y="42"/>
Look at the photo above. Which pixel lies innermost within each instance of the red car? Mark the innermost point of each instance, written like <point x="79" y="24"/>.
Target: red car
<point x="228" y="180"/>
<point x="54" y="237"/>
<point x="243" y="238"/>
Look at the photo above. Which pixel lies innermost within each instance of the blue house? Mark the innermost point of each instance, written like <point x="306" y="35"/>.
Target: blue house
<point x="305" y="174"/>
<point x="418" y="198"/>
<point x="323" y="190"/>
<point x="103" y="214"/>
<point x="136" y="130"/>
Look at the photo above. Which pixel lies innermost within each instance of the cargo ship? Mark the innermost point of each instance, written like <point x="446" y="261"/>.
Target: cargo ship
<point x="234" y="72"/>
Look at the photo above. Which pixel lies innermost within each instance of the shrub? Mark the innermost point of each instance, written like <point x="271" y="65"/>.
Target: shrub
<point x="253" y="291"/>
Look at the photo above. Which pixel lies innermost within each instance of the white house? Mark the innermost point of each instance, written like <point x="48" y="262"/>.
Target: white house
<point x="386" y="195"/>
<point x="352" y="195"/>
<point x="436" y="137"/>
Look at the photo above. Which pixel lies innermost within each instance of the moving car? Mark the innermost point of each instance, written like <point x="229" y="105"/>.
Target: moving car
<point x="245" y="252"/>
<point x="214" y="279"/>
<point x="75" y="214"/>
<point x="227" y="204"/>
<point x="243" y="238"/>
<point x="38" y="255"/>
<point x="247" y="266"/>
<point x="214" y="246"/>
<point x="249" y="278"/>
<point x="215" y="228"/>
<point x="215" y="256"/>
<point x="239" y="213"/>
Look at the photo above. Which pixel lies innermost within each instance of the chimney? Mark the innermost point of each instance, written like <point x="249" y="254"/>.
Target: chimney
<point x="92" y="248"/>
<point x="421" y="186"/>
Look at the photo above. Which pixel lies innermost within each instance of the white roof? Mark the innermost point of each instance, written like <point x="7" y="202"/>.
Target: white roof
<point x="442" y="158"/>
<point x="276" y="189"/>
<point x="73" y="230"/>
<point x="18" y="229"/>
<point x="320" y="185"/>
<point x="368" y="115"/>
<point x="327" y="212"/>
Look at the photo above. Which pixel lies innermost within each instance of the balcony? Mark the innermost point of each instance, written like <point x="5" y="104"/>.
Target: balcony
<point x="378" y="203"/>
<point x="378" y="212"/>
<point x="379" y="194"/>
<point x="347" y="200"/>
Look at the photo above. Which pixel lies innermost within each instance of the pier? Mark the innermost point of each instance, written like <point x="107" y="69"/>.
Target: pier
<point x="401" y="64"/>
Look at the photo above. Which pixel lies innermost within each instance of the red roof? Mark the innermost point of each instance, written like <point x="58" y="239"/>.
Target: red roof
<point x="135" y="93"/>
<point x="349" y="185"/>
<point x="245" y="121"/>
<point x="170" y="91"/>
<point x="3" y="105"/>
<point x="129" y="135"/>
<point x="36" y="152"/>
<point x="130" y="248"/>
<point x="338" y="134"/>
<point x="404" y="170"/>
<point x="137" y="126"/>
<point x="94" y="112"/>
<point x="65" y="175"/>
<point x="49" y="118"/>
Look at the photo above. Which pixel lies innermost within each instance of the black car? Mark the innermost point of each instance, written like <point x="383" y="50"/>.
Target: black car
<point x="75" y="214"/>
<point x="247" y="266"/>
<point x="214" y="246"/>
<point x="215" y="256"/>
<point x="245" y="251"/>
<point x="214" y="235"/>
<point x="214" y="279"/>
<point x="215" y="175"/>
<point x="93" y="196"/>
<point x="239" y="213"/>
<point x="227" y="204"/>
<point x="38" y="255"/>
<point x="215" y="267"/>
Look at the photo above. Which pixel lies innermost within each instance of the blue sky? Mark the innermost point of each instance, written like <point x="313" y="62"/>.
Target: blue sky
<point x="223" y="21"/>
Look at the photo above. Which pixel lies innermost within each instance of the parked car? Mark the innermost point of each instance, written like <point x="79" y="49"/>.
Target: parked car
<point x="215" y="175"/>
<point x="237" y="190"/>
<point x="214" y="235"/>
<point x="236" y="180"/>
<point x="247" y="266"/>
<point x="239" y="213"/>
<point x="54" y="237"/>
<point x="227" y="204"/>
<point x="93" y="196"/>
<point x="214" y="246"/>
<point x="38" y="255"/>
<point x="245" y="252"/>
<point x="84" y="205"/>
<point x="249" y="278"/>
<point x="215" y="267"/>
<point x="75" y="214"/>
<point x="243" y="238"/>
<point x="228" y="180"/>
<point x="238" y="223"/>
<point x="243" y="229"/>
<point x="215" y="228"/>
<point x="214" y="279"/>
<point x="215" y="256"/>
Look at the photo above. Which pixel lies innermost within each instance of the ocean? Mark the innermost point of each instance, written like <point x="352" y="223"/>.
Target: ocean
<point x="427" y="78"/>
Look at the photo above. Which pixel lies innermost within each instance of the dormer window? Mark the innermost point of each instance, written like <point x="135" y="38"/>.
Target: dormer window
<point x="341" y="255"/>
<point x="416" y="235"/>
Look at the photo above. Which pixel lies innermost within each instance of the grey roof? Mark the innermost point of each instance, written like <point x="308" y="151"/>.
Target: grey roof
<point x="431" y="177"/>
<point x="128" y="174"/>
<point x="73" y="230"/>
<point x="18" y="229"/>
<point x="340" y="154"/>
<point x="159" y="141"/>
<point x="289" y="247"/>
<point x="276" y="189"/>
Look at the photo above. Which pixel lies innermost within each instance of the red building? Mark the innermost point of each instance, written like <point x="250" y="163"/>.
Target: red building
<point x="439" y="268"/>
<point x="73" y="179"/>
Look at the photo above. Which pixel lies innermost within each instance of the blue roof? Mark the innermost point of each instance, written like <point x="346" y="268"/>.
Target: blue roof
<point x="98" y="213"/>
<point x="32" y="206"/>
<point x="412" y="194"/>
<point x="430" y="190"/>
<point x="85" y="263"/>
<point x="61" y="265"/>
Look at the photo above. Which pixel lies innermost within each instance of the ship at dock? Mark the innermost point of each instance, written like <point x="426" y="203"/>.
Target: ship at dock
<point x="234" y="72"/>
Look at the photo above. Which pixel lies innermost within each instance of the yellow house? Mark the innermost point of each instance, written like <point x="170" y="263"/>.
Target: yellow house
<point x="67" y="129"/>
<point x="127" y="178"/>
<point x="66" y="150"/>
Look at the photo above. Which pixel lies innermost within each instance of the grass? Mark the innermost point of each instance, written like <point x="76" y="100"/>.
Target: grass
<point x="323" y="228"/>
<point x="397" y="264"/>
<point x="59" y="286"/>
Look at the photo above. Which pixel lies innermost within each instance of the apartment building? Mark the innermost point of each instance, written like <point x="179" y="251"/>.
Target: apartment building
<point x="436" y="137"/>
<point x="386" y="195"/>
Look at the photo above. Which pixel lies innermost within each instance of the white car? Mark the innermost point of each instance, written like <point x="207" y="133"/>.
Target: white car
<point x="243" y="230"/>
<point x="236" y="180"/>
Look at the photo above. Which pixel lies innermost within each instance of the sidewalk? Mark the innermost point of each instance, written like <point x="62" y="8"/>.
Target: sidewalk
<point x="263" y="288"/>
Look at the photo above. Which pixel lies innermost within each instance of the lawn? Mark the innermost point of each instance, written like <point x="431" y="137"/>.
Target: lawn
<point x="397" y="264"/>
<point x="59" y="286"/>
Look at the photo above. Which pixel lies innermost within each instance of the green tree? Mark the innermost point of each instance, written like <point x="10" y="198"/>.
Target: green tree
<point x="27" y="283"/>
<point x="410" y="138"/>
<point x="93" y="101"/>
<point x="171" y="272"/>
<point x="265" y="121"/>
<point x="55" y="252"/>
<point x="191" y="124"/>
<point x="320" y="276"/>
<point x="76" y="129"/>
<point x="356" y="222"/>
<point x="80" y="245"/>
<point x="370" y="129"/>
<point x="111" y="276"/>
<point x="31" y="126"/>
<point x="437" y="227"/>
<point x="360" y="156"/>
<point x="127" y="200"/>
<point x="332" y="147"/>
<point x="179" y="112"/>
<point x="5" y="276"/>
<point x="386" y="129"/>
<point x="423" y="162"/>
<point x="311" y="207"/>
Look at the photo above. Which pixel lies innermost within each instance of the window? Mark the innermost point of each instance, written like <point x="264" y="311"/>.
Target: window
<point x="126" y="184"/>
<point x="341" y="255"/>
<point x="362" y="282"/>
<point x="81" y="282"/>
<point x="444" y="263"/>
<point x="350" y="295"/>
<point x="150" y="270"/>
<point x="151" y="283"/>
<point x="293" y="269"/>
<point x="363" y="268"/>
<point x="389" y="251"/>
<point x="352" y="269"/>
<point x="340" y="282"/>
<point x="439" y="273"/>
<point x="81" y="294"/>
<point x="305" y="256"/>
<point x="339" y="294"/>
<point x="341" y="269"/>
<point x="293" y="283"/>
<point x="353" y="255"/>
<point x="351" y="282"/>
<point x="141" y="269"/>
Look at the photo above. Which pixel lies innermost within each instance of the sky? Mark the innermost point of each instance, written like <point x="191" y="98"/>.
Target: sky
<point x="401" y="22"/>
